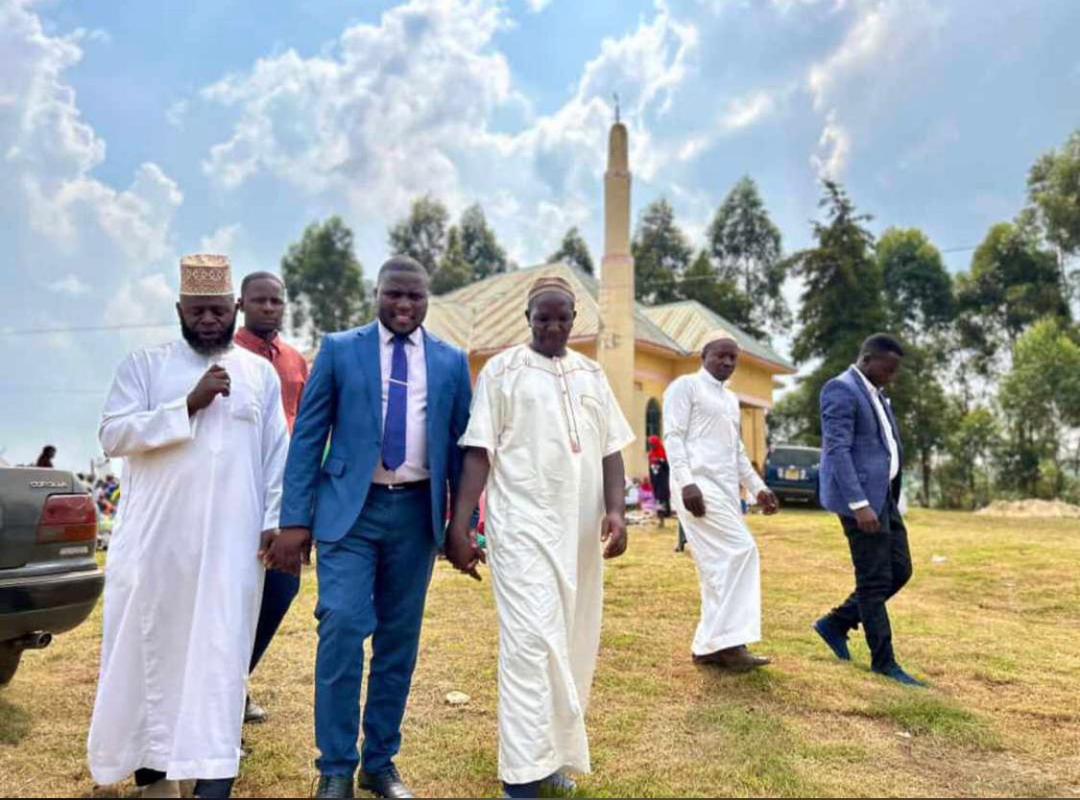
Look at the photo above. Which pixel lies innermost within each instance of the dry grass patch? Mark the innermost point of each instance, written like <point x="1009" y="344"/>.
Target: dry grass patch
<point x="992" y="626"/>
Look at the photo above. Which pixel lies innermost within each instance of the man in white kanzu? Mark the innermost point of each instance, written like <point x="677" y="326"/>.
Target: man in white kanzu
<point x="708" y="465"/>
<point x="200" y="426"/>
<point x="545" y="436"/>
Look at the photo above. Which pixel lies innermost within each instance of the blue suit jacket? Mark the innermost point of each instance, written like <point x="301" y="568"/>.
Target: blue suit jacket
<point x="343" y="402"/>
<point x="854" y="450"/>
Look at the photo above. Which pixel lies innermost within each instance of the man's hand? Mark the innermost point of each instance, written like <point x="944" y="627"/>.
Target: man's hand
<point x="693" y="499"/>
<point x="288" y="551"/>
<point x="463" y="552"/>
<point x="768" y="502"/>
<point x="265" y="539"/>
<point x="613" y="534"/>
<point x="214" y="381"/>
<point x="867" y="520"/>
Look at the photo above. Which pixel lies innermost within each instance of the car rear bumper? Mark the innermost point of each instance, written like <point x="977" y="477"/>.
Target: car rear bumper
<point x="53" y="603"/>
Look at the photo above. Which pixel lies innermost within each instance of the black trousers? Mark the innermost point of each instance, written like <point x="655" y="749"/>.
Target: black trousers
<point x="882" y="566"/>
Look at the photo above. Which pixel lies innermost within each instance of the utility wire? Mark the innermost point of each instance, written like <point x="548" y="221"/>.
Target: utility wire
<point x="85" y="329"/>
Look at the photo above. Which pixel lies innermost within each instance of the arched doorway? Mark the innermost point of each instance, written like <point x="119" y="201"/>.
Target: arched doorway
<point x="654" y="420"/>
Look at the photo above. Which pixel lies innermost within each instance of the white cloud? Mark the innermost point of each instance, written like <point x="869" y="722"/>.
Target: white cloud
<point x="884" y="37"/>
<point x="71" y="240"/>
<point x="69" y="284"/>
<point x="834" y="149"/>
<point x="743" y="112"/>
<point x="408" y="106"/>
<point x="223" y="240"/>
<point x="148" y="300"/>
<point x="378" y="118"/>
<point x="536" y="6"/>
<point x="49" y="152"/>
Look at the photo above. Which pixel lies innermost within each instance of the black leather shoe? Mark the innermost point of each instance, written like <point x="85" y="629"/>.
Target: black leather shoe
<point x="385" y="784"/>
<point x="335" y="786"/>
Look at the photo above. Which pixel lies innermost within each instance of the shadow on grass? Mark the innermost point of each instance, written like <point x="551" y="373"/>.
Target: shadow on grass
<point x="924" y="714"/>
<point x="15" y="723"/>
<point x="757" y="753"/>
<point x="756" y="682"/>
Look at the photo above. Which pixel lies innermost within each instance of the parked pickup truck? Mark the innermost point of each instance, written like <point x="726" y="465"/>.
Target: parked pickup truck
<point x="49" y="578"/>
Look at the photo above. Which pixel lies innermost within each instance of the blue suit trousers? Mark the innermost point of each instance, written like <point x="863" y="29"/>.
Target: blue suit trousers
<point x="372" y="582"/>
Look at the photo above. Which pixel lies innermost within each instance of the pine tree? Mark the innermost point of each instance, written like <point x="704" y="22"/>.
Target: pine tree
<point x="661" y="254"/>
<point x="574" y="251"/>
<point x="842" y="303"/>
<point x="422" y="234"/>
<point x="700" y="282"/>
<point x="480" y="248"/>
<point x="745" y="247"/>
<point x="454" y="270"/>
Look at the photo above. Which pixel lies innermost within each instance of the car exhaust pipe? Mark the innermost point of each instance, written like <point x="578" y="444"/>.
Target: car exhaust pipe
<point x="38" y="640"/>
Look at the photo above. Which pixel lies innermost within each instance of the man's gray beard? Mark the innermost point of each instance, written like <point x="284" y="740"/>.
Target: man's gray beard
<point x="209" y="349"/>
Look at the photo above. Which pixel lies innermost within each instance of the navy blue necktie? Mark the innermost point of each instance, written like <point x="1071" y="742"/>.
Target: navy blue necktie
<point x="393" y="446"/>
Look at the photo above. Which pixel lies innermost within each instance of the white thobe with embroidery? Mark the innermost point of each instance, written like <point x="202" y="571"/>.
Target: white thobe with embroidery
<point x="183" y="580"/>
<point x="704" y="447"/>
<point x="546" y="424"/>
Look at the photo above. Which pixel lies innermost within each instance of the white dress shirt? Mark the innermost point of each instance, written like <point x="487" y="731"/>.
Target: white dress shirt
<point x="883" y="420"/>
<point x="415" y="467"/>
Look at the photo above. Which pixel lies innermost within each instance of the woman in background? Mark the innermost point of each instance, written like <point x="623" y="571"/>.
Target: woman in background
<point x="660" y="475"/>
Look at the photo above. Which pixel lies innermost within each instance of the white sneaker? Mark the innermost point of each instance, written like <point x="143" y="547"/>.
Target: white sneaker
<point x="161" y="788"/>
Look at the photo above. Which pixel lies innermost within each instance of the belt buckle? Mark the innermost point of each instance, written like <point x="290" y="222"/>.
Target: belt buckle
<point x="395" y="487"/>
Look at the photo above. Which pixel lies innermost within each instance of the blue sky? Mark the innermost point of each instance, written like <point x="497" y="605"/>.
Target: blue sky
<point x="132" y="133"/>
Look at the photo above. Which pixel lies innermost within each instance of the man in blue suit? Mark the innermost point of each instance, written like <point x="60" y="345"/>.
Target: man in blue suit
<point x="861" y="459"/>
<point x="392" y="400"/>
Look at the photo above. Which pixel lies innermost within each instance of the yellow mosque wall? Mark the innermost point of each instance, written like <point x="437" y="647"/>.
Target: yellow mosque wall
<point x="654" y="372"/>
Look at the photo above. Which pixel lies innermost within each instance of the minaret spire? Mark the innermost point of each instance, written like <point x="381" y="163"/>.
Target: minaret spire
<point x="615" y="343"/>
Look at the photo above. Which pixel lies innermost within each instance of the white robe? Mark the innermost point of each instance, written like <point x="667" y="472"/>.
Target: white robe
<point x="701" y="436"/>
<point x="183" y="580"/>
<point x="547" y="425"/>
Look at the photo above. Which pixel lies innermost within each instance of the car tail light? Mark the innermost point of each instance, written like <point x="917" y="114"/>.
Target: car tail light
<point x="67" y="518"/>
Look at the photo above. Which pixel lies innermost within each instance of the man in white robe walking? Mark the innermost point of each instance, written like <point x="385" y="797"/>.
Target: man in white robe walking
<point x="200" y="426"/>
<point x="708" y="466"/>
<point x="545" y="436"/>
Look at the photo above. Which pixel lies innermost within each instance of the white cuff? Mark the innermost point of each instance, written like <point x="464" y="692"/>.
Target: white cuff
<point x="858" y="505"/>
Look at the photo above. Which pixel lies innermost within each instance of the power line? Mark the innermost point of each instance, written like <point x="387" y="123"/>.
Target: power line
<point x="51" y="390"/>
<point x="84" y="329"/>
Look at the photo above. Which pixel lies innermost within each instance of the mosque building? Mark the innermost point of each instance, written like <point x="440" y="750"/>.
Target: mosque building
<point x="642" y="348"/>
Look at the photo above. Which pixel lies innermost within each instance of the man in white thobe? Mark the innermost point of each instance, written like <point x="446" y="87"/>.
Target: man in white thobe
<point x="708" y="466"/>
<point x="545" y="435"/>
<point x="200" y="426"/>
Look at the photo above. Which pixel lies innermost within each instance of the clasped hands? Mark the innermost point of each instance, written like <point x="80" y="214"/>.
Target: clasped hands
<point x="286" y="550"/>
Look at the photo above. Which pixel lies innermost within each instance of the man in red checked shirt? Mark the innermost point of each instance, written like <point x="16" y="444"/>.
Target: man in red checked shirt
<point x="262" y="299"/>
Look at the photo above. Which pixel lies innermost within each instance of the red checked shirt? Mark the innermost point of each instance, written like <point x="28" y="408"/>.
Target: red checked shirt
<point x="290" y="365"/>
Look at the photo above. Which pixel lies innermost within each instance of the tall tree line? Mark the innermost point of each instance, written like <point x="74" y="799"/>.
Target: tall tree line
<point x="988" y="398"/>
<point x="738" y="272"/>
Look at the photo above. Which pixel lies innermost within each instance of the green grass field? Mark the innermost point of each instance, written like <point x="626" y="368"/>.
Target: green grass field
<point x="995" y="628"/>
